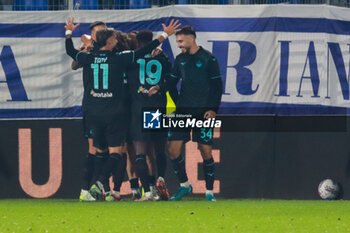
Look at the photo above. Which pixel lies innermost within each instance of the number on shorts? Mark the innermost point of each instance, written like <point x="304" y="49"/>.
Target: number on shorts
<point x="206" y="135"/>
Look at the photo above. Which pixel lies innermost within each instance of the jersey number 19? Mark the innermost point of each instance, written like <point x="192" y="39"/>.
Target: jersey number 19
<point x="146" y="69"/>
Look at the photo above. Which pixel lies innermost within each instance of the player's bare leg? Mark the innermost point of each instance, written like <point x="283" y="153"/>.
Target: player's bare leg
<point x="174" y="149"/>
<point x="208" y="168"/>
<point x="98" y="190"/>
<point x="142" y="168"/>
<point x="101" y="159"/>
<point x="131" y="170"/>
<point x="88" y="173"/>
<point x="179" y="166"/>
<point x="161" y="161"/>
<point x="118" y="177"/>
<point x="152" y="167"/>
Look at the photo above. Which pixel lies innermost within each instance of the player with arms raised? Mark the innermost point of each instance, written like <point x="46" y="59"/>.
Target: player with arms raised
<point x="146" y="79"/>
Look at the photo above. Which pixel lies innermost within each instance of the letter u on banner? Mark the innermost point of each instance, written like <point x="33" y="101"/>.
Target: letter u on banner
<point x="25" y="164"/>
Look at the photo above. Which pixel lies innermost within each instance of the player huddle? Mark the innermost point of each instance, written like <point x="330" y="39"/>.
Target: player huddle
<point x="123" y="74"/>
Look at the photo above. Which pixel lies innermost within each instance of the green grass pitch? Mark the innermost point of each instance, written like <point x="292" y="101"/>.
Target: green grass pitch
<point x="189" y="215"/>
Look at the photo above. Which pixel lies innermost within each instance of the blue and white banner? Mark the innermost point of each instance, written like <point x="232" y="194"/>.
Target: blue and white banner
<point x="274" y="59"/>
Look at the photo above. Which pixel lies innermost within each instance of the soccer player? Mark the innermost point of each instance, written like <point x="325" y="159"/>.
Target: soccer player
<point x="130" y="165"/>
<point x="118" y="175"/>
<point x="94" y="161"/>
<point x="89" y="41"/>
<point x="103" y="82"/>
<point x="156" y="159"/>
<point x="200" y="96"/>
<point x="145" y="79"/>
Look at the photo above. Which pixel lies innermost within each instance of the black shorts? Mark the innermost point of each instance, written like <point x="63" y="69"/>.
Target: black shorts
<point x="107" y="131"/>
<point x="136" y="131"/>
<point x="200" y="135"/>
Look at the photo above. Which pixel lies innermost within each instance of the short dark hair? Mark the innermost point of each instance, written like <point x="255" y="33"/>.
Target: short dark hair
<point x="186" y="30"/>
<point x="132" y="41"/>
<point x="144" y="37"/>
<point x="96" y="23"/>
<point x="103" y="35"/>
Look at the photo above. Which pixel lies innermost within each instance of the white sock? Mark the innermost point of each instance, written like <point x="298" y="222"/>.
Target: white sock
<point x="134" y="191"/>
<point x="148" y="194"/>
<point x="117" y="193"/>
<point x="209" y="192"/>
<point x="185" y="184"/>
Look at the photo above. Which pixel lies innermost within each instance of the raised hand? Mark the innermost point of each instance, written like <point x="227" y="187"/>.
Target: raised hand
<point x="171" y="28"/>
<point x="70" y="24"/>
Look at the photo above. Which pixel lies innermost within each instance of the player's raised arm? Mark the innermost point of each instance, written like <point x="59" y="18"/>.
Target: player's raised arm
<point x="87" y="44"/>
<point x="167" y="31"/>
<point x="129" y="57"/>
<point x="79" y="56"/>
<point x="70" y="27"/>
<point x="76" y="65"/>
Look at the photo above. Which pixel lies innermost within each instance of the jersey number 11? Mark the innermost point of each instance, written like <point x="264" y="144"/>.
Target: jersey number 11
<point x="96" y="68"/>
